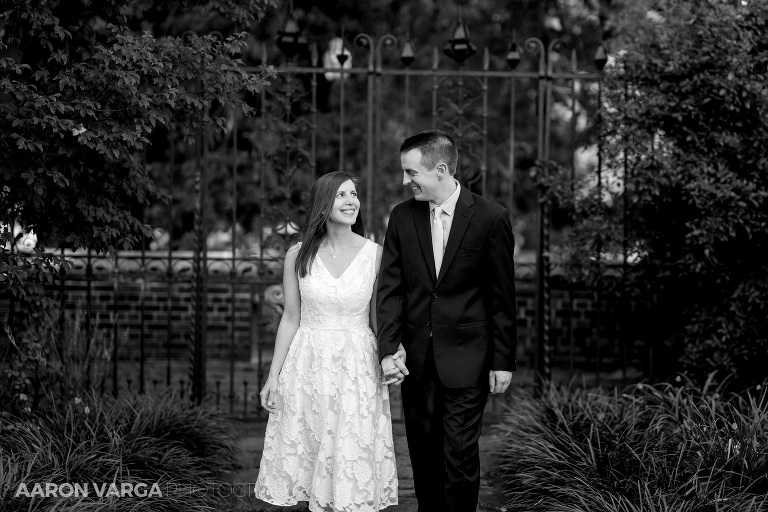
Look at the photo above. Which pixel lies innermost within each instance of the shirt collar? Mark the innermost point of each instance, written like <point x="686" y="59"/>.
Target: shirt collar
<point x="449" y="205"/>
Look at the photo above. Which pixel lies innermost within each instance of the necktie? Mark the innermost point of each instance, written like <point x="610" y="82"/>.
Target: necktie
<point x="437" y="238"/>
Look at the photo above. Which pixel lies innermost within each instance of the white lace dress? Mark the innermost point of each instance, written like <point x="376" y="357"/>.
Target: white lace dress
<point x="330" y="441"/>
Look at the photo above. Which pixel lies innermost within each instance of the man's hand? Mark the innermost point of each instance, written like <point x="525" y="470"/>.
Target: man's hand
<point x="394" y="368"/>
<point x="499" y="381"/>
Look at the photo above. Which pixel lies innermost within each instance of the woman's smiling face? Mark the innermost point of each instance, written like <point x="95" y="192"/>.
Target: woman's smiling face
<point x="346" y="204"/>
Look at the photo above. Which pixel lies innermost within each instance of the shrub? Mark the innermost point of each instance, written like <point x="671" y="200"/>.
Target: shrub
<point x="648" y="448"/>
<point x="141" y="440"/>
<point x="684" y="192"/>
<point x="84" y="89"/>
<point x="50" y="362"/>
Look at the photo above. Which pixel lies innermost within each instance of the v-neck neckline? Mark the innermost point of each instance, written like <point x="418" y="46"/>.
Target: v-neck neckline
<point x="345" y="270"/>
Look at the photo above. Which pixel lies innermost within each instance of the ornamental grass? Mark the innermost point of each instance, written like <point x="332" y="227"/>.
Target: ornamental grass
<point x="146" y="440"/>
<point x="650" y="448"/>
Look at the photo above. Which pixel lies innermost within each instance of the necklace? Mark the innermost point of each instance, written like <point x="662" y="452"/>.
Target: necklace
<point x="328" y="250"/>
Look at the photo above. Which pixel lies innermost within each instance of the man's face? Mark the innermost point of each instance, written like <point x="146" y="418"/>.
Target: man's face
<point x="422" y="181"/>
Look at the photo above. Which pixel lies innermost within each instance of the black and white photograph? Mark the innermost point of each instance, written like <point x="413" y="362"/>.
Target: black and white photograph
<point x="368" y="255"/>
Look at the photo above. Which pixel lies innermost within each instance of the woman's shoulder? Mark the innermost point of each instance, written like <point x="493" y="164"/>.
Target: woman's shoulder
<point x="368" y="242"/>
<point x="373" y="250"/>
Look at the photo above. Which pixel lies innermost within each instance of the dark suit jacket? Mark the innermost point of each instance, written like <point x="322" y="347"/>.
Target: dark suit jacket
<point x="469" y="308"/>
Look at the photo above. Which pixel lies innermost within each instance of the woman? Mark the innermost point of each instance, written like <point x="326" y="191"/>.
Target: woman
<point x="329" y="435"/>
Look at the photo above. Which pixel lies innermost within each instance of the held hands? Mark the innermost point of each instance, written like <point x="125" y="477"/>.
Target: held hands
<point x="268" y="395"/>
<point x="394" y="368"/>
<point x="499" y="381"/>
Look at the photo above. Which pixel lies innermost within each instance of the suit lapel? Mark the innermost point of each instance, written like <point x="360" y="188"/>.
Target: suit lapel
<point x="461" y="217"/>
<point x="424" y="234"/>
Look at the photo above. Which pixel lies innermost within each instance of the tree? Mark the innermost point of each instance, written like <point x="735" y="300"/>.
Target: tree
<point x="82" y="90"/>
<point x="684" y="130"/>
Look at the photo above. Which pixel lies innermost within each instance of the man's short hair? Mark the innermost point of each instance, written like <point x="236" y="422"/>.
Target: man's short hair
<point x="436" y="146"/>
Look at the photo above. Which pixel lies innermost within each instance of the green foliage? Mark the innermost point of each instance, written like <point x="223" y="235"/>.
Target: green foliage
<point x="684" y="192"/>
<point x="649" y="448"/>
<point x="82" y="91"/>
<point x="142" y="440"/>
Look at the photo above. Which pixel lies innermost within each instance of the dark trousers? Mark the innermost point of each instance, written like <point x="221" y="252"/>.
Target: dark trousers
<point x="443" y="427"/>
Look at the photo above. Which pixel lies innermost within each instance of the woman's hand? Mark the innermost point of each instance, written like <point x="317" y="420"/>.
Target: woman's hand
<point x="268" y="395"/>
<point x="394" y="367"/>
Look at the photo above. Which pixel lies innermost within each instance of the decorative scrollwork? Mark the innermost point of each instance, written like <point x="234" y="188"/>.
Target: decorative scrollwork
<point x="460" y="97"/>
<point x="386" y="42"/>
<point x="363" y="40"/>
<point x="534" y="46"/>
<point x="375" y="47"/>
<point x="154" y="265"/>
<point x="471" y="159"/>
<point x="556" y="45"/>
<point x="286" y="96"/>
<point x="461" y="91"/>
<point x="552" y="53"/>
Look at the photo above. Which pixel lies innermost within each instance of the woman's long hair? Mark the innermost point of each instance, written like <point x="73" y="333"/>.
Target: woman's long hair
<point x="321" y="200"/>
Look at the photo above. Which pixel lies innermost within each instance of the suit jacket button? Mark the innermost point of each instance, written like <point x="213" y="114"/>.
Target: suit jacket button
<point x="429" y="324"/>
<point x="434" y="295"/>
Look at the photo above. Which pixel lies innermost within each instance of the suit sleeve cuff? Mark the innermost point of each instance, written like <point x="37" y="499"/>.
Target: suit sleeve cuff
<point x="385" y="354"/>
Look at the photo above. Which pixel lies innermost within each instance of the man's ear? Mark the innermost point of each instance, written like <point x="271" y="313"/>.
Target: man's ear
<point x="442" y="170"/>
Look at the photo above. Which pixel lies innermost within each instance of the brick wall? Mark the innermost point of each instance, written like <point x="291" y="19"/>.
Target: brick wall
<point x="242" y="322"/>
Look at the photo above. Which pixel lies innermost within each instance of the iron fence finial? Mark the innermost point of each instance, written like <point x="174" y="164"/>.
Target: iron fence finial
<point x="601" y="59"/>
<point x="290" y="40"/>
<point x="460" y="48"/>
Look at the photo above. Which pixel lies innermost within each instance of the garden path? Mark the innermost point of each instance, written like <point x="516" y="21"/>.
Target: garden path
<point x="251" y="443"/>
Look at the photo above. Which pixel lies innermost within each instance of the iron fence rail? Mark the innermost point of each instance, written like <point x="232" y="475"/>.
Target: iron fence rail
<point x="279" y="153"/>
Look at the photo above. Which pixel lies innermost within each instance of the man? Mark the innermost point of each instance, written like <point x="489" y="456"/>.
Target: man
<point x="446" y="292"/>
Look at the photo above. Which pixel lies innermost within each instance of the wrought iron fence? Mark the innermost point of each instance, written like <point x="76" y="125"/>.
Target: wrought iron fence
<point x="208" y="287"/>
